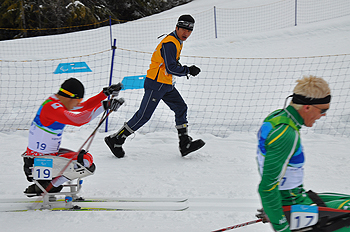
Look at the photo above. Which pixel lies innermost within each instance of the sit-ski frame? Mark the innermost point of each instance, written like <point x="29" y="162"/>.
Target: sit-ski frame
<point x="74" y="172"/>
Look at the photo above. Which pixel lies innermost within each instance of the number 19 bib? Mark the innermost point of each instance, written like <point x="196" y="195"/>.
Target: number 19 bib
<point x="42" y="169"/>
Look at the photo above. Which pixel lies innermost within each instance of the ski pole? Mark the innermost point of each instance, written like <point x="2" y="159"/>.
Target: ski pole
<point x="103" y="118"/>
<point x="239" y="225"/>
<point x="91" y="137"/>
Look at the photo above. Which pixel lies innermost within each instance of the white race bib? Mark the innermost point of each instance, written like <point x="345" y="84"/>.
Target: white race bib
<point x="42" y="169"/>
<point x="292" y="178"/>
<point x="303" y="216"/>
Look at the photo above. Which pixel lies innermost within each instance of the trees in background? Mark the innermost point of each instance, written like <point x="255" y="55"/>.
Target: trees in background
<point x="18" y="18"/>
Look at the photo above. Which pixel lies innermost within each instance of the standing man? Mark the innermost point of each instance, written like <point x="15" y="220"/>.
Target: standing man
<point x="160" y="85"/>
<point x="61" y="109"/>
<point x="280" y="153"/>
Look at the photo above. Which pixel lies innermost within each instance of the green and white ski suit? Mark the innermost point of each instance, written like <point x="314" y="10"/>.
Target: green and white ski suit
<point x="281" y="159"/>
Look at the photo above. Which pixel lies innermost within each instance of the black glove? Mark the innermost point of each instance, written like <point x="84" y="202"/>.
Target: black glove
<point x="80" y="157"/>
<point x="194" y="70"/>
<point x="112" y="104"/>
<point x="262" y="215"/>
<point x="113" y="89"/>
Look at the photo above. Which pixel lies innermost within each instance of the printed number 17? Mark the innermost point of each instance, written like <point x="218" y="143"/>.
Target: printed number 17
<point x="283" y="181"/>
<point x="298" y="219"/>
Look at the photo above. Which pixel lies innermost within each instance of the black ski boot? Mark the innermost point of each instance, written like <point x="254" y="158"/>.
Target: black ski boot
<point x="186" y="144"/>
<point x="115" y="141"/>
<point x="34" y="190"/>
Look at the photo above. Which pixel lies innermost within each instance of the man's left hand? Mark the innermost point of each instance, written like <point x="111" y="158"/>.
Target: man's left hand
<point x="194" y="70"/>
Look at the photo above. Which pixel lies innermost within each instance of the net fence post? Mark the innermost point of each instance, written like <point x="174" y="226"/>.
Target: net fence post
<point x="110" y="28"/>
<point x="111" y="76"/>
<point x="296" y="12"/>
<point x="215" y="25"/>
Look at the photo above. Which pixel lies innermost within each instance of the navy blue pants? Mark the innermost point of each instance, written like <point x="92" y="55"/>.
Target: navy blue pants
<point x="154" y="92"/>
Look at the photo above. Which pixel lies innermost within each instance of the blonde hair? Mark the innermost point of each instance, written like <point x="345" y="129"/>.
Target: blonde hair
<point x="312" y="87"/>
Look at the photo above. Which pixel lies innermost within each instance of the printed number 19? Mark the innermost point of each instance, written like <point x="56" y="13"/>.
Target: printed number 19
<point x="46" y="173"/>
<point x="41" y="146"/>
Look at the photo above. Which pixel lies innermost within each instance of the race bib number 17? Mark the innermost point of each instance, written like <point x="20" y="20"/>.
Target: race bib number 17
<point x="303" y="216"/>
<point x="42" y="169"/>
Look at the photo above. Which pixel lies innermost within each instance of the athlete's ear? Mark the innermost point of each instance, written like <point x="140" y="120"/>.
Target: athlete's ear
<point x="306" y="108"/>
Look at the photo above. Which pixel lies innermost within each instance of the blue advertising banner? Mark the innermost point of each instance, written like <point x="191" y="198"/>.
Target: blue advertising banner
<point x="72" y="68"/>
<point x="133" y="82"/>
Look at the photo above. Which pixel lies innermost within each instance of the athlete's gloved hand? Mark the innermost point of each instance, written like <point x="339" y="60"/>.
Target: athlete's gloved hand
<point x="262" y="215"/>
<point x="113" y="89"/>
<point x="80" y="157"/>
<point x="194" y="70"/>
<point x="113" y="104"/>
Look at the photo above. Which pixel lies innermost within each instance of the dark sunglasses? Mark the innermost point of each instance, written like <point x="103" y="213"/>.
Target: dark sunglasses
<point x="322" y="111"/>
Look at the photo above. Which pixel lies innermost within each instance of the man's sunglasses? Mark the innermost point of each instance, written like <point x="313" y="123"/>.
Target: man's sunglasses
<point x="322" y="111"/>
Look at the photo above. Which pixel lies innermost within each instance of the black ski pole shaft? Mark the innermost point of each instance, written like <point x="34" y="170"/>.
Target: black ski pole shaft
<point x="239" y="225"/>
<point x="103" y="118"/>
<point x="94" y="132"/>
<point x="91" y="136"/>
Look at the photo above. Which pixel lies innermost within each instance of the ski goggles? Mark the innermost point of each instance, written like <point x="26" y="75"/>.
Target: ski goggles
<point x="185" y="24"/>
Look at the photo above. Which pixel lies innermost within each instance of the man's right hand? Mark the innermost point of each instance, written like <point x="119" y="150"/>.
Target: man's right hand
<point x="113" y="104"/>
<point x="262" y="215"/>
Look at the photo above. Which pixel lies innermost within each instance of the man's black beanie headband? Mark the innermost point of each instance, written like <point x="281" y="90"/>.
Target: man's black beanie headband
<point x="302" y="100"/>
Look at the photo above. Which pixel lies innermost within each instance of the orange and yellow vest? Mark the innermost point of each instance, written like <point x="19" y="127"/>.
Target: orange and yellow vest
<point x="157" y="68"/>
